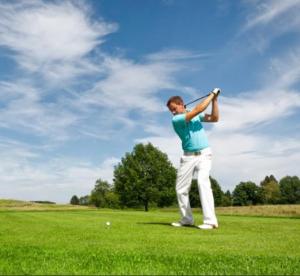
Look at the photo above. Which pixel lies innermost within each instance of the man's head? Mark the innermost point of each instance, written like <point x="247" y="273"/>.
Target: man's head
<point x="176" y="105"/>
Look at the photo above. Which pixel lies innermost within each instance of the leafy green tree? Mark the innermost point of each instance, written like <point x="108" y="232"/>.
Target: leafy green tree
<point x="268" y="179"/>
<point x="290" y="189"/>
<point x="112" y="199"/>
<point x="74" y="200"/>
<point x="246" y="193"/>
<point x="98" y="194"/>
<point x="270" y="191"/>
<point x="145" y="176"/>
<point x="84" y="200"/>
<point x="217" y="192"/>
<point x="227" y="199"/>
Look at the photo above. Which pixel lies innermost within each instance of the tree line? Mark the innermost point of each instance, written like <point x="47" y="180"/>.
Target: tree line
<point x="146" y="178"/>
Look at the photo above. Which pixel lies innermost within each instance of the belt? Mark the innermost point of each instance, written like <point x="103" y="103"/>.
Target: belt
<point x="192" y="153"/>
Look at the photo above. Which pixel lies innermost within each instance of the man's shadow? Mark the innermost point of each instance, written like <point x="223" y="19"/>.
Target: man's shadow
<point x="166" y="224"/>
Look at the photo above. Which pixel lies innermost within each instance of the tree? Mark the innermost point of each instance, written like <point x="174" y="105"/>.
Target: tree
<point x="268" y="179"/>
<point x="98" y="194"/>
<point x="290" y="189"/>
<point x="269" y="189"/>
<point x="217" y="192"/>
<point x="246" y="193"/>
<point x="84" y="200"/>
<point x="227" y="199"/>
<point x="145" y="176"/>
<point x="74" y="200"/>
<point x="112" y="199"/>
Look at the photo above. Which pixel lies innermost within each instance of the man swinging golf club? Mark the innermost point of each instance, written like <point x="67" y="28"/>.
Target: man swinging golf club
<point x="197" y="157"/>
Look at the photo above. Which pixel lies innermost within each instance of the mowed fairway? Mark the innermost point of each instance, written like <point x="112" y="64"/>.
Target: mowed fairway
<point x="79" y="242"/>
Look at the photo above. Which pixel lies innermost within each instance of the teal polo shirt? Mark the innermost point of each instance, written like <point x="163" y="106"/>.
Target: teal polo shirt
<point x="191" y="133"/>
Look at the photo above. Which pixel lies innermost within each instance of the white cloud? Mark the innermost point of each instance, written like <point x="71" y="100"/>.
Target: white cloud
<point x="266" y="12"/>
<point x="248" y="110"/>
<point x="127" y="88"/>
<point x="51" y="37"/>
<point x="24" y="110"/>
<point x="285" y="71"/>
<point x="130" y="85"/>
<point x="176" y="54"/>
<point x="57" y="39"/>
<point x="243" y="157"/>
<point x="24" y="174"/>
<point x="268" y="20"/>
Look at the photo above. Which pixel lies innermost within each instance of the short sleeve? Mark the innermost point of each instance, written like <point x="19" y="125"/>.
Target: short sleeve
<point x="179" y="120"/>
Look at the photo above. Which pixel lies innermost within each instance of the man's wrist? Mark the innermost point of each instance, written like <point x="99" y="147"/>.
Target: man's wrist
<point x="214" y="96"/>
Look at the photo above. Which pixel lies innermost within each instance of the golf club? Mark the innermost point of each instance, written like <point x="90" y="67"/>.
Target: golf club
<point x="218" y="92"/>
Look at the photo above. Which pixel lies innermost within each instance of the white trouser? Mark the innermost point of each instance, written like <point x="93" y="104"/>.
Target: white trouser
<point x="202" y="165"/>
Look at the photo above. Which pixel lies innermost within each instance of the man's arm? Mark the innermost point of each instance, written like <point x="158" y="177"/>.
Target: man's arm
<point x="214" y="116"/>
<point x="199" y="108"/>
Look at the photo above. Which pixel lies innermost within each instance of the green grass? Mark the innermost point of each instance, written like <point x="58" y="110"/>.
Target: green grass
<point x="79" y="242"/>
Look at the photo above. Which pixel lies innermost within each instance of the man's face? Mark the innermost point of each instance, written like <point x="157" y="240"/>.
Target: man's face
<point x="176" y="108"/>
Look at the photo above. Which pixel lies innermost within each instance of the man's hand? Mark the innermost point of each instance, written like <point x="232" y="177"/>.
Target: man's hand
<point x="214" y="116"/>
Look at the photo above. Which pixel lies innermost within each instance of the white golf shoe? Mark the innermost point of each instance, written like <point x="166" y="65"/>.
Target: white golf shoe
<point x="207" y="226"/>
<point x="179" y="224"/>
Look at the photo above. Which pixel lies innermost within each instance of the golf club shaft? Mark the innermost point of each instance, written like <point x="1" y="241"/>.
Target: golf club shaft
<point x="197" y="99"/>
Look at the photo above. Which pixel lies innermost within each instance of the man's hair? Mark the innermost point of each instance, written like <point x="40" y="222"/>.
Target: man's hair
<point x="175" y="99"/>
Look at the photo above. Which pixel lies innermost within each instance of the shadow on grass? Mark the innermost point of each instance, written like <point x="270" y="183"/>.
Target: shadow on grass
<point x="166" y="224"/>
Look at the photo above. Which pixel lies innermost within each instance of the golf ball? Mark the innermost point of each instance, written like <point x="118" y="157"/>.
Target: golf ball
<point x="108" y="223"/>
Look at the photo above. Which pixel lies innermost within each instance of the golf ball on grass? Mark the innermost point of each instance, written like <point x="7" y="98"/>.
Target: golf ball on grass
<point x="108" y="223"/>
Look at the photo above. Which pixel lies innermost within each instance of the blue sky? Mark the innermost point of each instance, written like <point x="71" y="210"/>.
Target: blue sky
<point x="81" y="82"/>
